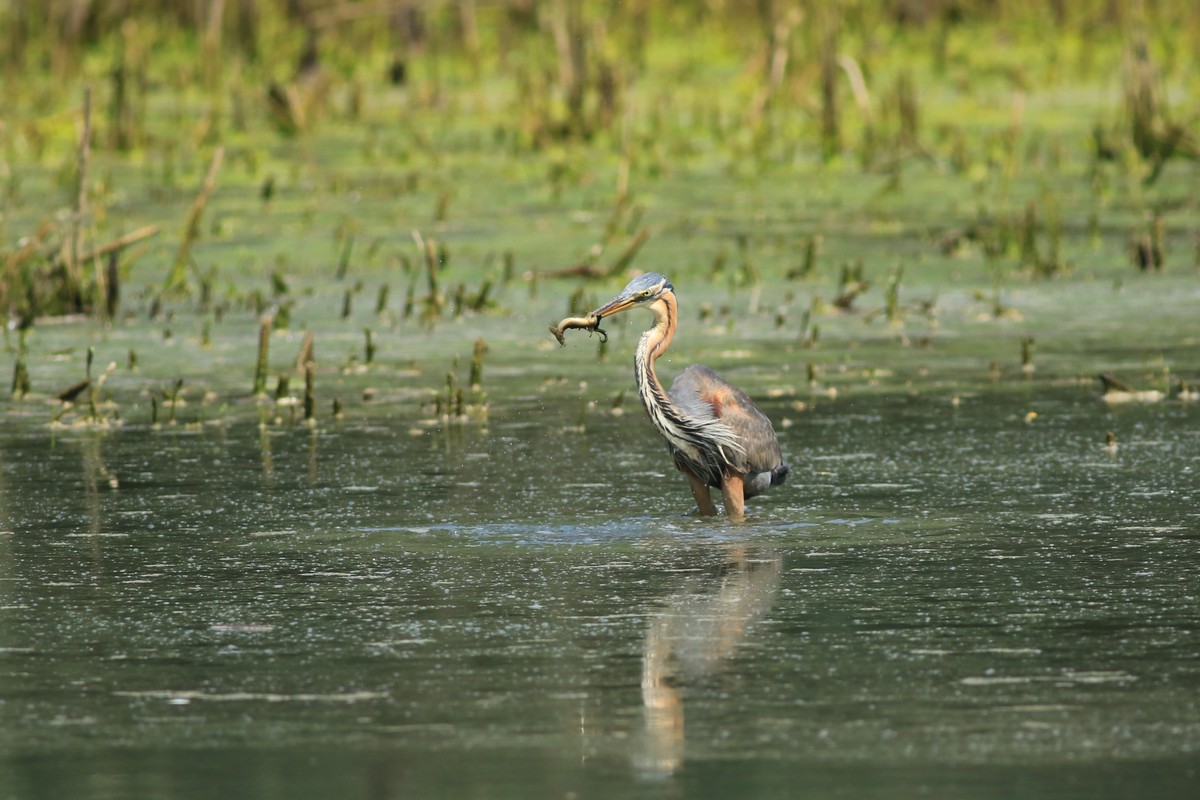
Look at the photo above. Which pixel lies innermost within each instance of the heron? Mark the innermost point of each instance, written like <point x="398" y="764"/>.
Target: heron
<point x="716" y="434"/>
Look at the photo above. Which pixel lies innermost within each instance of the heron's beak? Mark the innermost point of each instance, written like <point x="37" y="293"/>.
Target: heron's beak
<point x="614" y="307"/>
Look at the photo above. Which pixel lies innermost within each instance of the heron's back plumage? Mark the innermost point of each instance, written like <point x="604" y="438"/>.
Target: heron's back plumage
<point x="702" y="395"/>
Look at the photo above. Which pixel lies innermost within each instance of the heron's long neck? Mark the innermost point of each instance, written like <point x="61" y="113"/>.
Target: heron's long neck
<point x="705" y="445"/>
<point x="653" y="344"/>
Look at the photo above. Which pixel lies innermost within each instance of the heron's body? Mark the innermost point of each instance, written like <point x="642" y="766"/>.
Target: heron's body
<point x="759" y="459"/>
<point x="716" y="434"/>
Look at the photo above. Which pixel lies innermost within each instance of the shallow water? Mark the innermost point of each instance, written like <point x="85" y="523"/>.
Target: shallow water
<point x="960" y="592"/>
<point x="946" y="600"/>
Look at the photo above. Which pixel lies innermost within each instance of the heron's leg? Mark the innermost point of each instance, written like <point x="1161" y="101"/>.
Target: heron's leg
<point x="732" y="488"/>
<point x="700" y="492"/>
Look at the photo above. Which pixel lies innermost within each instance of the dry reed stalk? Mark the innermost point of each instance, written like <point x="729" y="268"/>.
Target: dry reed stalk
<point x="306" y="351"/>
<point x="72" y="261"/>
<point x="831" y="126"/>
<point x="177" y="278"/>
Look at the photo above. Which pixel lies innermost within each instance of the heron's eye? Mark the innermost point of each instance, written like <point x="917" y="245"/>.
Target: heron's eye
<point x="645" y="294"/>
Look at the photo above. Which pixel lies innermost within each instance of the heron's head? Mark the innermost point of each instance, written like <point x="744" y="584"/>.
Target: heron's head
<point x="644" y="290"/>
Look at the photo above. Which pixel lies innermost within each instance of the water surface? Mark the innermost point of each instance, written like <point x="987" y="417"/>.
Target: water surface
<point x="943" y="599"/>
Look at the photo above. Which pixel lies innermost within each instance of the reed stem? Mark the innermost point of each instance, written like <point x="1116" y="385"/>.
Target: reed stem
<point x="177" y="277"/>
<point x="264" y="347"/>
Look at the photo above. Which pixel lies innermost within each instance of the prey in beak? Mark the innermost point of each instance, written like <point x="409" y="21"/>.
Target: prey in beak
<point x="643" y="289"/>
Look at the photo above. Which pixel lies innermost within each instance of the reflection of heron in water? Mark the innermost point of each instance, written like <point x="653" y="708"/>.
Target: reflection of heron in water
<point x="701" y="626"/>
<point x="716" y="433"/>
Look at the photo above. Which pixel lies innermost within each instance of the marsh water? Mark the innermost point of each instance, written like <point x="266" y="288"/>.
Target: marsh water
<point x="961" y="591"/>
<point x="428" y="553"/>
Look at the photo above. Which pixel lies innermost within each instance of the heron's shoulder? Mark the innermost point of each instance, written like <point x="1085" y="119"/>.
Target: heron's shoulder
<point x="706" y="394"/>
<point x="702" y="382"/>
<point x="700" y="377"/>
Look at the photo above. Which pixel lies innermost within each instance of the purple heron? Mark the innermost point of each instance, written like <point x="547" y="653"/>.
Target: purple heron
<point x="716" y="434"/>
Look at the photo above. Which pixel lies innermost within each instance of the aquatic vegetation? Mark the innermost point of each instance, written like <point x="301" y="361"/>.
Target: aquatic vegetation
<point x="166" y="164"/>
